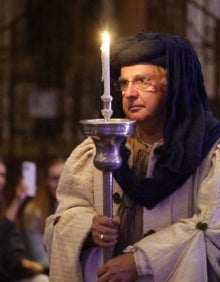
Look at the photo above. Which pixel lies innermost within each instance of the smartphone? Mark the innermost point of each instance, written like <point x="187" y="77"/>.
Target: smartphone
<point x="29" y="173"/>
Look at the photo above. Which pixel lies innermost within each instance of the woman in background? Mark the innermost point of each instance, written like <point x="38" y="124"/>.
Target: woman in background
<point x="14" y="264"/>
<point x="39" y="208"/>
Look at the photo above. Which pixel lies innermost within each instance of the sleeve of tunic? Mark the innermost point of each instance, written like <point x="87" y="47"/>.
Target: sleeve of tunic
<point x="183" y="250"/>
<point x="68" y="228"/>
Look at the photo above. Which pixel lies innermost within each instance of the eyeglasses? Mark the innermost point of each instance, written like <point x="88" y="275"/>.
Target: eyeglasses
<point x="140" y="82"/>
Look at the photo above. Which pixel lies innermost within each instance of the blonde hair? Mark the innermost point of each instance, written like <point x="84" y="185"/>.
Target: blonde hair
<point x="40" y="205"/>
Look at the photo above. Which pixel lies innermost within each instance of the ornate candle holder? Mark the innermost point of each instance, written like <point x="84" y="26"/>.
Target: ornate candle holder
<point x="107" y="136"/>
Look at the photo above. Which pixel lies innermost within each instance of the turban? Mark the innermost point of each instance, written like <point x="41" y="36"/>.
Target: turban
<point x="142" y="47"/>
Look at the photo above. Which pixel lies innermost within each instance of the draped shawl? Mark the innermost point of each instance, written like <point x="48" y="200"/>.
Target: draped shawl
<point x="190" y="129"/>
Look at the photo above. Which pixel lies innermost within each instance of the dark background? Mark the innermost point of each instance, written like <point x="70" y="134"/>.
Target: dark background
<point x="53" y="47"/>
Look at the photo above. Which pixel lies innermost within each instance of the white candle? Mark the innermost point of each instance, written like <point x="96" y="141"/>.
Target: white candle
<point x="105" y="49"/>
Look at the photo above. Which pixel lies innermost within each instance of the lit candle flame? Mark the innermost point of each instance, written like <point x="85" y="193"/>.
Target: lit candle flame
<point x="105" y="37"/>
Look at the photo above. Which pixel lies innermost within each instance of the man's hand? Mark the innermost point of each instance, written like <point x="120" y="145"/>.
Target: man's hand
<point x="119" y="269"/>
<point x="19" y="198"/>
<point x="105" y="230"/>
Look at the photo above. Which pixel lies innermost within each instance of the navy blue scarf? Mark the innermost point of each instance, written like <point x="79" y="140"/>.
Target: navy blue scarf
<point x="190" y="129"/>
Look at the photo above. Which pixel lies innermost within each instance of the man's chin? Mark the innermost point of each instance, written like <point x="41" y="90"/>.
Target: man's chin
<point x="136" y="117"/>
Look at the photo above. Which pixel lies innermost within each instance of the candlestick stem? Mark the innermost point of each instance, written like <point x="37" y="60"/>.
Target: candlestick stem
<point x="107" y="206"/>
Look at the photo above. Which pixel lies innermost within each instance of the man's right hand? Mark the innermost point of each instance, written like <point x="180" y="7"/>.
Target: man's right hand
<point x="105" y="230"/>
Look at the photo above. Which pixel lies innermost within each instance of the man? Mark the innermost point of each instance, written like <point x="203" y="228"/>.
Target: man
<point x="166" y="216"/>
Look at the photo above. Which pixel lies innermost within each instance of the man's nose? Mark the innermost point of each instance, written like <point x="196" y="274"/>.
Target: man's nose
<point x="131" y="90"/>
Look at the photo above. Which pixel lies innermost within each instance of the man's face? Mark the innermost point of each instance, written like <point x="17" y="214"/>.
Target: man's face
<point x="2" y="176"/>
<point x="143" y="97"/>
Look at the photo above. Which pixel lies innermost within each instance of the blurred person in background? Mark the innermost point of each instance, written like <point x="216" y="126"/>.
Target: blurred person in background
<point x="14" y="264"/>
<point x="39" y="208"/>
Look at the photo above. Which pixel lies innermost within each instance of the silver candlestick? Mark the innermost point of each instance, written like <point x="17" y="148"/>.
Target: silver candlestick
<point x="107" y="136"/>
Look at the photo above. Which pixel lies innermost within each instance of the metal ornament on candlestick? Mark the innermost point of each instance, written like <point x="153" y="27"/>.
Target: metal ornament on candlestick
<point x="107" y="135"/>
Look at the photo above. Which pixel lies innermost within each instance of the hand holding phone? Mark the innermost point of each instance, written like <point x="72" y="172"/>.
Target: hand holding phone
<point x="29" y="173"/>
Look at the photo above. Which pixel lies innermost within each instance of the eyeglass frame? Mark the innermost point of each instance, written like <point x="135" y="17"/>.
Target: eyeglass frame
<point x="120" y="88"/>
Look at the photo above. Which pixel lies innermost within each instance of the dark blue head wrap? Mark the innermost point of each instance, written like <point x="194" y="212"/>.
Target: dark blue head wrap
<point x="190" y="129"/>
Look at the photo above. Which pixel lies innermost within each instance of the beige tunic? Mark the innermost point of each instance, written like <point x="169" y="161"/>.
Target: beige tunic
<point x="176" y="252"/>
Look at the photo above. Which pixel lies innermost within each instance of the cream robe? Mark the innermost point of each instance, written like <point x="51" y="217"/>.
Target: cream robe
<point x="177" y="252"/>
